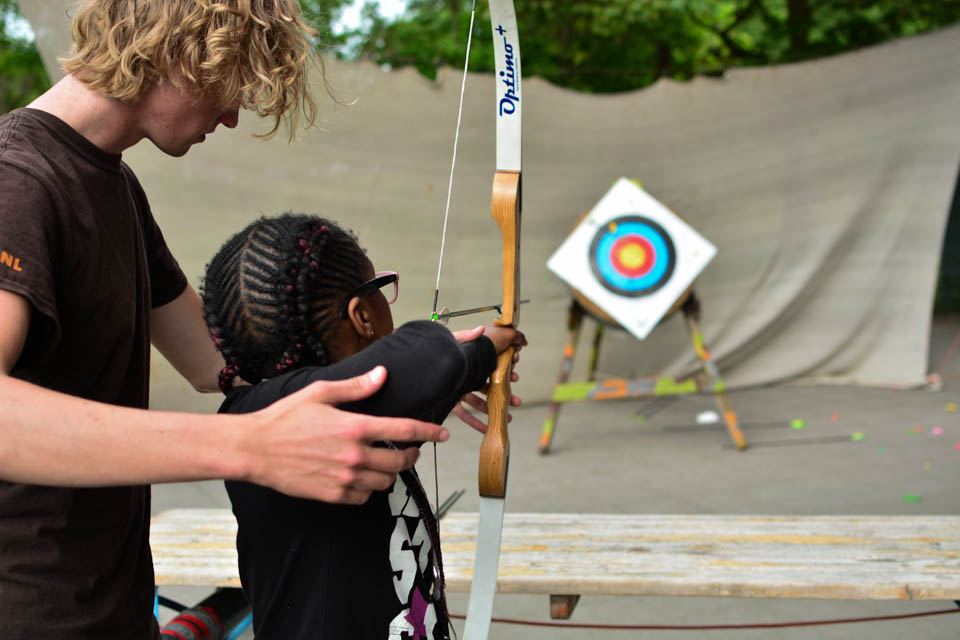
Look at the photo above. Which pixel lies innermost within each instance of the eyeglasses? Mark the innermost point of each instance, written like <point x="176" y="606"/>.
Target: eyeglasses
<point x="380" y="279"/>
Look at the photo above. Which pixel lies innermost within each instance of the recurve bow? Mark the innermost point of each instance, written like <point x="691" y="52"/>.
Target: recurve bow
<point x="495" y="448"/>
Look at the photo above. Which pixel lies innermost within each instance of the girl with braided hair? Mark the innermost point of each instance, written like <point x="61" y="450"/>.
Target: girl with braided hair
<point x="290" y="300"/>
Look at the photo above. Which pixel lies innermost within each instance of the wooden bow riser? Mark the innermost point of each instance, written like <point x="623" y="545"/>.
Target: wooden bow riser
<point x="495" y="448"/>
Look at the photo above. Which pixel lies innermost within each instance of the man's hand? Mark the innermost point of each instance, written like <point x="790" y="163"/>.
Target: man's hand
<point x="502" y="337"/>
<point x="305" y="447"/>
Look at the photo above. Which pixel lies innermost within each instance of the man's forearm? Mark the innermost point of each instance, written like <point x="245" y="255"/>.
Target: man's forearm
<point x="301" y="445"/>
<point x="51" y="438"/>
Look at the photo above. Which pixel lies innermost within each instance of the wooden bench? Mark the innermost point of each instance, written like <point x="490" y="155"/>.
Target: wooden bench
<point x="571" y="555"/>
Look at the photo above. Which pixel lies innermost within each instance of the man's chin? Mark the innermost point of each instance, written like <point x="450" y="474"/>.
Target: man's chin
<point x="178" y="152"/>
<point x="175" y="151"/>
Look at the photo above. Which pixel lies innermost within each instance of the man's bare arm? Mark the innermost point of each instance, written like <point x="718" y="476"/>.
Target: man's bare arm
<point x="178" y="332"/>
<point x="300" y="445"/>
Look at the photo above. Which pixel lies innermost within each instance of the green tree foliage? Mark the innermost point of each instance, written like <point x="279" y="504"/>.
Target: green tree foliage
<point x="618" y="45"/>
<point x="321" y="14"/>
<point x="22" y="76"/>
<point x="588" y="45"/>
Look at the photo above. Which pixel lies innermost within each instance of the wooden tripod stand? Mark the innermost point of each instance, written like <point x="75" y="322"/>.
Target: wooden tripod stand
<point x="706" y="381"/>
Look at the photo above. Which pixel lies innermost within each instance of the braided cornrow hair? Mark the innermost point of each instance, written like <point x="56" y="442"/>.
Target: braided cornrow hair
<point x="272" y="294"/>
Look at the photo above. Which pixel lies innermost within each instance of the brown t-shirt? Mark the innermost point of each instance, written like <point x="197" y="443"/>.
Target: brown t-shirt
<point x="78" y="241"/>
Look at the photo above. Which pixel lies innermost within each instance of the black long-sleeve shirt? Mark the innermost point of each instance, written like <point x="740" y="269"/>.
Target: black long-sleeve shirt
<point x="322" y="571"/>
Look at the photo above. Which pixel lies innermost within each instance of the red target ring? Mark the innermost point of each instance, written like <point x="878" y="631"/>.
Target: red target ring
<point x="633" y="256"/>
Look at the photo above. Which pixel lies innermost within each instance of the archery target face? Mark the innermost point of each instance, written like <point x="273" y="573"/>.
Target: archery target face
<point x="632" y="257"/>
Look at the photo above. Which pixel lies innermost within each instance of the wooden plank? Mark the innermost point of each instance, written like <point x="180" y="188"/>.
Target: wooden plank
<point x="195" y="547"/>
<point x="861" y="558"/>
<point x="841" y="557"/>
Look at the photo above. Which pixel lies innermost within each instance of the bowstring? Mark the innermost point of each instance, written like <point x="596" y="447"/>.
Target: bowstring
<point x="443" y="235"/>
<point x="453" y="162"/>
<point x="443" y="241"/>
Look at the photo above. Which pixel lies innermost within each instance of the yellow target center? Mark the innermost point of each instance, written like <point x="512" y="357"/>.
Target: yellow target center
<point x="633" y="256"/>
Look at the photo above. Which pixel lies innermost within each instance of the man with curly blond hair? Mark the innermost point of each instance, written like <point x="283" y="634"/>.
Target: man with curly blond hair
<point x="87" y="284"/>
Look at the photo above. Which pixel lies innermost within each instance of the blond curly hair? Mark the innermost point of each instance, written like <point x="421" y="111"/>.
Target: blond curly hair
<point x="254" y="53"/>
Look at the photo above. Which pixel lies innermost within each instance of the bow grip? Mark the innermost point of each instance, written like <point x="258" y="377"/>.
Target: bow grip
<point x="495" y="448"/>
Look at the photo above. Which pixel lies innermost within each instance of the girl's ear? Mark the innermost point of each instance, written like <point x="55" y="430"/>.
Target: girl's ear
<point x="360" y="318"/>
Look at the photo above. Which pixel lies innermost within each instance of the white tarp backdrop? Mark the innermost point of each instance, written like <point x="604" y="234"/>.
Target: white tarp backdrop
<point x="824" y="185"/>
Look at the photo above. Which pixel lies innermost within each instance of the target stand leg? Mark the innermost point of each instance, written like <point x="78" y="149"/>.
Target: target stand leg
<point x="574" y="322"/>
<point x="594" y="353"/>
<point x="714" y="383"/>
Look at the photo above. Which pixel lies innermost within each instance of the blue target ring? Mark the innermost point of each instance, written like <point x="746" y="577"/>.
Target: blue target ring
<point x="632" y="256"/>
